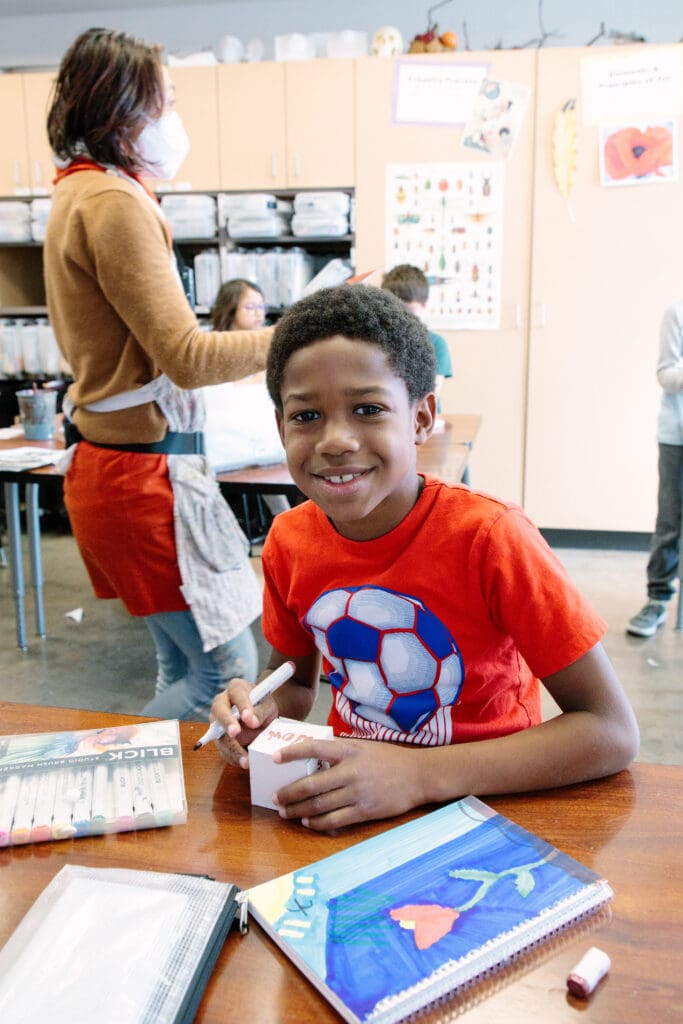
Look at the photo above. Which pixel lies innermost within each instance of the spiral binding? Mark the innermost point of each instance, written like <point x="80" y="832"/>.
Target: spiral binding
<point x="458" y="985"/>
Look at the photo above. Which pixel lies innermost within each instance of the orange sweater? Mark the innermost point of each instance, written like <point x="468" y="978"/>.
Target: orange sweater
<point x="118" y="310"/>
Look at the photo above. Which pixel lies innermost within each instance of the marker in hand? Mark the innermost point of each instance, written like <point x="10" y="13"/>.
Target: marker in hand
<point x="256" y="694"/>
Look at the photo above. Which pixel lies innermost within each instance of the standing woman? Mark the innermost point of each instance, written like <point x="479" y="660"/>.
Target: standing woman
<point x="144" y="507"/>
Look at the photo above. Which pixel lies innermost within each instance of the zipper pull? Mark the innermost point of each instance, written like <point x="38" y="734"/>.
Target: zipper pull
<point x="243" y="904"/>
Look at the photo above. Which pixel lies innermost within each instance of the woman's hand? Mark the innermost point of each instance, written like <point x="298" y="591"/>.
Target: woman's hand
<point x="240" y="731"/>
<point x="366" y="780"/>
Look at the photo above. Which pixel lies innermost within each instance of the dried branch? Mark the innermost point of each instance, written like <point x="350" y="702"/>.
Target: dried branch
<point x="626" y="37"/>
<point x="431" y="10"/>
<point x="600" y="34"/>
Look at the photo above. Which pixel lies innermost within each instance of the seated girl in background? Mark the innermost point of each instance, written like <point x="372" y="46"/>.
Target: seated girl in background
<point x="240" y="305"/>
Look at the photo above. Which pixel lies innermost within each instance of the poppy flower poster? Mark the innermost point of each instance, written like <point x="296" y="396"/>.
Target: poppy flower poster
<point x="388" y="926"/>
<point x="634" y="154"/>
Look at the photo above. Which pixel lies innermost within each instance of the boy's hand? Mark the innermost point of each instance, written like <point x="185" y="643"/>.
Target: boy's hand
<point x="239" y="732"/>
<point x="366" y="780"/>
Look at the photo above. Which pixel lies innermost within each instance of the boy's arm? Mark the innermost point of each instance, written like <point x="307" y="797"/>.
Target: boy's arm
<point x="595" y="735"/>
<point x="294" y="699"/>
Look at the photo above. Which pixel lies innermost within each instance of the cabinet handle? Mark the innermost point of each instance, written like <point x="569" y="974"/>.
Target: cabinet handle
<point x="297" y="165"/>
<point x="273" y="165"/>
<point x="542" y="313"/>
<point x="37" y="173"/>
<point x="17" y="173"/>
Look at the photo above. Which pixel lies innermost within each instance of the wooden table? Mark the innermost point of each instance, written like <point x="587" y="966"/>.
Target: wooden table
<point x="445" y="454"/>
<point x="627" y="828"/>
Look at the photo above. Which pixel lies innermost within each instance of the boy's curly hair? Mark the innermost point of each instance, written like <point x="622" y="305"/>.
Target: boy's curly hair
<point x="363" y="313"/>
<point x="407" y="283"/>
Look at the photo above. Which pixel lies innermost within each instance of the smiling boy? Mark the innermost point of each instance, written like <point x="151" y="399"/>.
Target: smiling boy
<point x="435" y="611"/>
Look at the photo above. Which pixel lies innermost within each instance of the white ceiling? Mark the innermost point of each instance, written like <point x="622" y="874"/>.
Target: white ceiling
<point x="21" y="8"/>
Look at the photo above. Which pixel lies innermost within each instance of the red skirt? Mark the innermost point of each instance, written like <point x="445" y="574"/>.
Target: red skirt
<point x="120" y="507"/>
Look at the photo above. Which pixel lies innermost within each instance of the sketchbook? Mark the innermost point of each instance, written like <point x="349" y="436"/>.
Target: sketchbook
<point x="63" y="785"/>
<point x="402" y="921"/>
<point x="112" y="944"/>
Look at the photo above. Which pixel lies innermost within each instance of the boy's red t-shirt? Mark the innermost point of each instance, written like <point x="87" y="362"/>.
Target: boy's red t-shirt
<point x="437" y="632"/>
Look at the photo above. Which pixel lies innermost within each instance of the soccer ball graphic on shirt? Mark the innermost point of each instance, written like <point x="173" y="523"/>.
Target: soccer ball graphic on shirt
<point x="391" y="656"/>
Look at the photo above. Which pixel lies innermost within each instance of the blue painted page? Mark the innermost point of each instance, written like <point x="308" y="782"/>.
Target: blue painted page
<point x="391" y="924"/>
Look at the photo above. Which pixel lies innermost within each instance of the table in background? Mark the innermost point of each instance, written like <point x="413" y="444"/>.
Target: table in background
<point x="445" y="454"/>
<point x="627" y="828"/>
<point x="32" y="479"/>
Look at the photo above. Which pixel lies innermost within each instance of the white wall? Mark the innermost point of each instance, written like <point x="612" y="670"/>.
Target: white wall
<point x="40" y="40"/>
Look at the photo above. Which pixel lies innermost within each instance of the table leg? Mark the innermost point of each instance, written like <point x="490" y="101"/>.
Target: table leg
<point x="15" y="559"/>
<point x="36" y="561"/>
<point x="679" y="613"/>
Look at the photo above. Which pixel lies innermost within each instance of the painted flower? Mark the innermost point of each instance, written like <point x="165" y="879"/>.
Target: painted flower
<point x="429" y="922"/>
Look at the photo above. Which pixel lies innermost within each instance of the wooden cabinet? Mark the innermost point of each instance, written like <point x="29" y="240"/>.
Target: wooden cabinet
<point x="26" y="166"/>
<point x="286" y="125"/>
<point x="489" y="366"/>
<point x="320" y="123"/>
<point x="605" y="265"/>
<point x="196" y="100"/>
<point x="251" y="126"/>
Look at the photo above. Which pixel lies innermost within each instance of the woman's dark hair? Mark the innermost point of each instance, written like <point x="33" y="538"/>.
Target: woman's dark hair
<point x="227" y="301"/>
<point x="109" y="84"/>
<point x="363" y="313"/>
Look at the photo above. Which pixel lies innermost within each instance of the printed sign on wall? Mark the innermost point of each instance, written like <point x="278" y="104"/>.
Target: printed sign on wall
<point x="447" y="219"/>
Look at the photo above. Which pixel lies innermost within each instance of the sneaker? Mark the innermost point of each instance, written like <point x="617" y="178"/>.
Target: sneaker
<point x="648" y="620"/>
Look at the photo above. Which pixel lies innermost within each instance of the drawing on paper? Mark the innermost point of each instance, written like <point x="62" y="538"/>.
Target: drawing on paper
<point x="370" y="931"/>
<point x="447" y="219"/>
<point x="497" y="118"/>
<point x="639" y="154"/>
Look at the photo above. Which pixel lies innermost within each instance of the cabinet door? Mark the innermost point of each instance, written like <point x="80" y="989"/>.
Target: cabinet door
<point x="14" y="164"/>
<point x="489" y="367"/>
<point x="251" y="119"/>
<point x="37" y="92"/>
<point x="320" y="123"/>
<point x="605" y="266"/>
<point x="196" y="100"/>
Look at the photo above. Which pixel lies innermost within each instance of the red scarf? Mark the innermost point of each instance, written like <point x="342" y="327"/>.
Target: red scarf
<point x="85" y="163"/>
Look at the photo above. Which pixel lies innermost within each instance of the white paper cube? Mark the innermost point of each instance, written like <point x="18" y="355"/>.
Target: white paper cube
<point x="266" y="777"/>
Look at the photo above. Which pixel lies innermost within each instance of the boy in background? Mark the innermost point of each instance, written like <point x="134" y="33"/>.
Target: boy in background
<point x="410" y="285"/>
<point x="436" y="611"/>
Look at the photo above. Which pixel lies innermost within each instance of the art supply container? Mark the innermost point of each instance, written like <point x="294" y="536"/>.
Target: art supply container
<point x="37" y="410"/>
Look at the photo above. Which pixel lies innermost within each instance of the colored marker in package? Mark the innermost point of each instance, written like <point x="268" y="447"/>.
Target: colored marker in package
<point x="41" y="829"/>
<point x="9" y="792"/>
<point x="62" y="825"/>
<point x="123" y="797"/>
<point x="23" y="812"/>
<point x="102" y="816"/>
<point x="156" y="774"/>
<point x="81" y="815"/>
<point x="143" y="808"/>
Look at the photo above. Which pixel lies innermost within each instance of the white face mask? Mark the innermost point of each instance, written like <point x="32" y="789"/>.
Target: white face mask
<point x="163" y="145"/>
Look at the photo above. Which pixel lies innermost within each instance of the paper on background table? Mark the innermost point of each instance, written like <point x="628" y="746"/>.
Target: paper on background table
<point x="28" y="457"/>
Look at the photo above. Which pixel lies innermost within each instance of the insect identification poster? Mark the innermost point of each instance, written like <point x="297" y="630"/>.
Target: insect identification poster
<point x="447" y="219"/>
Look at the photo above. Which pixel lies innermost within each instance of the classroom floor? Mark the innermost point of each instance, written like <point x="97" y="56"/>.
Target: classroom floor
<point x="105" y="662"/>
